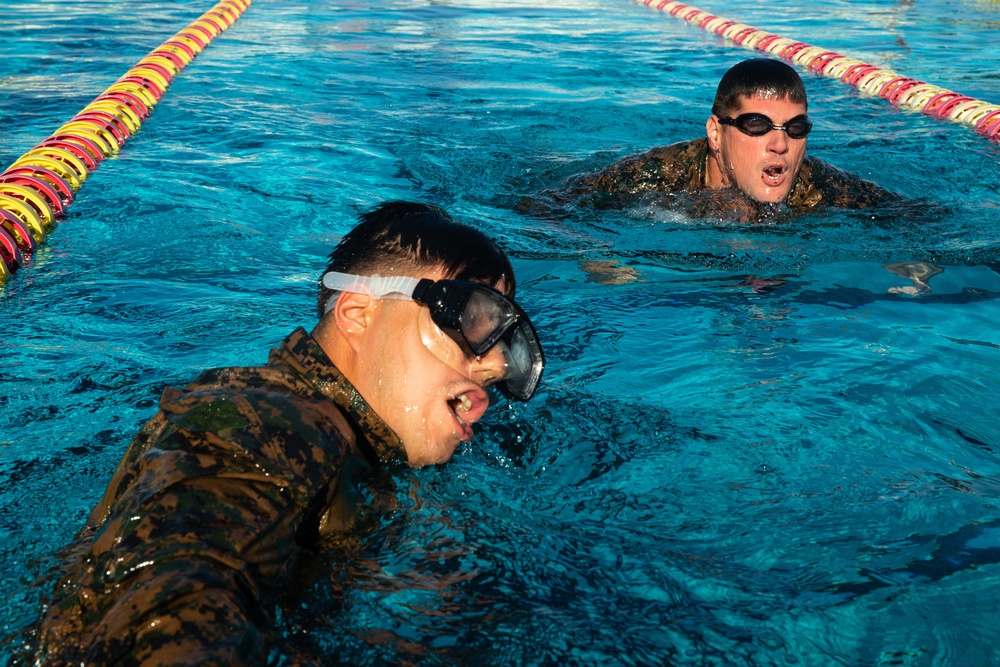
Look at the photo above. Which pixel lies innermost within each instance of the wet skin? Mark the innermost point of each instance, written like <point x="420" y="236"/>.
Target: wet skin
<point x="416" y="377"/>
<point x="764" y="168"/>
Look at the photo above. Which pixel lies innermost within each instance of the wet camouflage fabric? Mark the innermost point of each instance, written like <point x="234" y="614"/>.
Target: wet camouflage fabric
<point x="183" y="559"/>
<point x="680" y="169"/>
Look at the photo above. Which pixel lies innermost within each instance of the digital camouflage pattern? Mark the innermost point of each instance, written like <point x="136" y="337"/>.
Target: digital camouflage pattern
<point x="182" y="561"/>
<point x="680" y="169"/>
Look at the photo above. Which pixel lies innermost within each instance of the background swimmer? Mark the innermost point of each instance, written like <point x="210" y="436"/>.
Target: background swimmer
<point x="752" y="159"/>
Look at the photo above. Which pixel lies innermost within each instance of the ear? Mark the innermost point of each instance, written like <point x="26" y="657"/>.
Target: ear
<point x="352" y="316"/>
<point x="713" y="130"/>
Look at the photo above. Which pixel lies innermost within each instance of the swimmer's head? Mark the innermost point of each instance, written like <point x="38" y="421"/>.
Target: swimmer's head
<point x="415" y="375"/>
<point x="399" y="238"/>
<point x="757" y="130"/>
<point x="758" y="77"/>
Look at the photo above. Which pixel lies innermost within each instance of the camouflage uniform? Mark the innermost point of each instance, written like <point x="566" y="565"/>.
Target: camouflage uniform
<point x="183" y="559"/>
<point x="680" y="169"/>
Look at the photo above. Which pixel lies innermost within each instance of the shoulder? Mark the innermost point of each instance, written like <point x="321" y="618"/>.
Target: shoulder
<point x="252" y="419"/>
<point x="664" y="160"/>
<point x="684" y="151"/>
<point x="256" y="401"/>
<point x="241" y="423"/>
<point x="821" y="183"/>
<point x="675" y="168"/>
<point x="665" y="168"/>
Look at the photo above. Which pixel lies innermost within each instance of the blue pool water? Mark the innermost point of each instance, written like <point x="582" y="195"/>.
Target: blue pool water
<point x="803" y="474"/>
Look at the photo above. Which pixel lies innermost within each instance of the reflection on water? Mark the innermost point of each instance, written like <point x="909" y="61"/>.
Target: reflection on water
<point x="751" y="446"/>
<point x="777" y="477"/>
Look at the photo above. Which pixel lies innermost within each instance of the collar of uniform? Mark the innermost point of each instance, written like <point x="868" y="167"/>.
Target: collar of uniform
<point x="698" y="174"/>
<point x="300" y="352"/>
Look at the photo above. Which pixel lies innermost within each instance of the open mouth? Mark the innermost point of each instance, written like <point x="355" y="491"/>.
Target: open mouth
<point x="460" y="405"/>
<point x="467" y="408"/>
<point x="773" y="174"/>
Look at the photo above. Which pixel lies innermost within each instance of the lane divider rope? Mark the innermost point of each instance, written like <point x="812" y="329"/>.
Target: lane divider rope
<point x="901" y="91"/>
<point x="36" y="189"/>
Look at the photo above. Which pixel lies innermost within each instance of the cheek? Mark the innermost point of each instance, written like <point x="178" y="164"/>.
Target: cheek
<point x="800" y="153"/>
<point x="423" y="376"/>
<point x="742" y="153"/>
<point x="395" y="372"/>
<point x="441" y="346"/>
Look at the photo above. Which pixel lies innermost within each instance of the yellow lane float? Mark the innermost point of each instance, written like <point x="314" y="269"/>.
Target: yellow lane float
<point x="37" y="188"/>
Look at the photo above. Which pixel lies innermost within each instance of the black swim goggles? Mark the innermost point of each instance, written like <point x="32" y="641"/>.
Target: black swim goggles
<point x="757" y="125"/>
<point x="476" y="316"/>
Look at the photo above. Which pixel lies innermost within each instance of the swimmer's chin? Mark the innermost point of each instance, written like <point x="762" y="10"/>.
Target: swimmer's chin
<point x="770" y="195"/>
<point x="774" y="200"/>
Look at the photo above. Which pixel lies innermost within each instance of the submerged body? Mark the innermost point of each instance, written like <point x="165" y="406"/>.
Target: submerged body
<point x="750" y="167"/>
<point x="676" y="176"/>
<point x="183" y="560"/>
<point x="246" y="473"/>
<point x="682" y="168"/>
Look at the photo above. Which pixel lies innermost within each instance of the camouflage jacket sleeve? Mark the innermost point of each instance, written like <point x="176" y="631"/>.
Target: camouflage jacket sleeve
<point x="199" y="525"/>
<point x="676" y="168"/>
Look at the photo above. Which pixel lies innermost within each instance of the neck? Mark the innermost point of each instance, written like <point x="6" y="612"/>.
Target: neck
<point x="715" y="176"/>
<point x="335" y="346"/>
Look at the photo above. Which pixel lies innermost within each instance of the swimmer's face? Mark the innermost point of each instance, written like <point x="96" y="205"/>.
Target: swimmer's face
<point x="420" y="381"/>
<point x="765" y="167"/>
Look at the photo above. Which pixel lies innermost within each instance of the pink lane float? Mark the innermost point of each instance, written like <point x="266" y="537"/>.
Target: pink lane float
<point x="901" y="91"/>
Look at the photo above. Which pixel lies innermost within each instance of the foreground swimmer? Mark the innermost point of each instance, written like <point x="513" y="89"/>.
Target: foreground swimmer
<point x="752" y="158"/>
<point x="184" y="560"/>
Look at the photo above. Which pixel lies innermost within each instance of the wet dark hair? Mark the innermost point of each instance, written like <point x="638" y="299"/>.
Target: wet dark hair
<point x="754" y="76"/>
<point x="400" y="238"/>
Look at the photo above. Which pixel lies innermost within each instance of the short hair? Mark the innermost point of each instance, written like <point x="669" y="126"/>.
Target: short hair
<point x="754" y="77"/>
<point x="400" y="238"/>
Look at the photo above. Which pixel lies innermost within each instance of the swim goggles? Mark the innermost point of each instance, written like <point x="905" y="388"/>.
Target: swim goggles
<point x="757" y="125"/>
<point x="476" y="316"/>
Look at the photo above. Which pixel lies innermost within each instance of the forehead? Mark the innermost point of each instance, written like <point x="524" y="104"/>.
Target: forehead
<point x="503" y="285"/>
<point x="770" y="105"/>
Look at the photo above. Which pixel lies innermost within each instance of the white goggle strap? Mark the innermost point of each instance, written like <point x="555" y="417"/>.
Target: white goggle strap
<point x="379" y="287"/>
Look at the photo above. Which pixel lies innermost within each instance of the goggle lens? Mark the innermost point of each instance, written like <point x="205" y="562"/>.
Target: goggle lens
<point x="524" y="363"/>
<point x="757" y="125"/>
<point x="798" y="128"/>
<point x="484" y="319"/>
<point x="478" y="317"/>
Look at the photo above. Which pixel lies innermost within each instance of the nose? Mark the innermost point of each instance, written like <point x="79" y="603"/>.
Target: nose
<point x="777" y="141"/>
<point x="489" y="368"/>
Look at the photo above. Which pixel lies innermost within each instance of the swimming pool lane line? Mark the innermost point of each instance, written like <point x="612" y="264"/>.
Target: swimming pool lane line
<point x="901" y="91"/>
<point x="38" y="187"/>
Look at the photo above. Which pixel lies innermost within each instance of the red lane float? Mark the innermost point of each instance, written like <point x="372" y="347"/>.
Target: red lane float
<point x="40" y="186"/>
<point x="54" y="179"/>
<point x="898" y="90"/>
<point x="13" y="225"/>
<point x="36" y="189"/>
